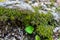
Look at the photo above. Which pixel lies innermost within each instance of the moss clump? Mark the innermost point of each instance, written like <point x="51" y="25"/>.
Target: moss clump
<point x="45" y="31"/>
<point x="46" y="26"/>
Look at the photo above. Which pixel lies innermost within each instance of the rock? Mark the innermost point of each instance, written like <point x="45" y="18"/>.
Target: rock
<point x="2" y="4"/>
<point x="13" y="38"/>
<point x="56" y="33"/>
<point x="30" y="2"/>
<point x="13" y="33"/>
<point x="42" y="11"/>
<point x="56" y="29"/>
<point x="55" y="38"/>
<point x="21" y="5"/>
<point x="48" y="9"/>
<point x="43" y="6"/>
<point x="56" y="16"/>
<point x="55" y="4"/>
<point x="12" y="2"/>
<point x="26" y="38"/>
<point x="35" y="4"/>
<point x="48" y="3"/>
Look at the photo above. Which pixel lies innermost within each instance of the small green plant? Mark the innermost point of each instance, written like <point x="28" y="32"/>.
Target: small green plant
<point x="29" y="29"/>
<point x="37" y="37"/>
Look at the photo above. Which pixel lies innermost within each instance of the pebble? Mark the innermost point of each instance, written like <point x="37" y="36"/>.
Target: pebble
<point x="56" y="33"/>
<point x="12" y="33"/>
<point x="56" y="29"/>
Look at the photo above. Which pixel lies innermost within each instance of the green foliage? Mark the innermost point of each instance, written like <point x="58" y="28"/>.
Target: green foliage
<point x="44" y="23"/>
<point x="37" y="37"/>
<point x="52" y="1"/>
<point x="46" y="31"/>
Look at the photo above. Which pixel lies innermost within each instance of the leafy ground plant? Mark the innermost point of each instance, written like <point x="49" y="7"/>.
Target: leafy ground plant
<point x="37" y="37"/>
<point x="29" y="29"/>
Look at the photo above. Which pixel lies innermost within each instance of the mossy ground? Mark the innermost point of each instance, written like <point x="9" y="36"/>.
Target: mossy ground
<point x="42" y="23"/>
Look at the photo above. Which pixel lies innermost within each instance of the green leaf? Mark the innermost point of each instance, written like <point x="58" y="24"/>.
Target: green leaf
<point x="37" y="37"/>
<point x="29" y="29"/>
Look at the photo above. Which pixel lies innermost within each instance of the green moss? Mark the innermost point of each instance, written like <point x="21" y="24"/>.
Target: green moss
<point x="43" y="23"/>
<point x="45" y="31"/>
<point x="46" y="26"/>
